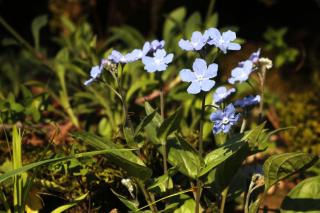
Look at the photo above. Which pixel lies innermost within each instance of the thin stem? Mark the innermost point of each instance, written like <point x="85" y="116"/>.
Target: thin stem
<point x="164" y="198"/>
<point x="203" y="106"/>
<point x="123" y="99"/>
<point x="262" y="77"/>
<point x="243" y="125"/>
<point x="199" y="184"/>
<point x="147" y="196"/>
<point x="224" y="199"/>
<point x="127" y="119"/>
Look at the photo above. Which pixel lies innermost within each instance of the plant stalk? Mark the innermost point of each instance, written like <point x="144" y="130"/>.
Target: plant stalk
<point x="224" y="199"/>
<point x="198" y="192"/>
<point x="147" y="196"/>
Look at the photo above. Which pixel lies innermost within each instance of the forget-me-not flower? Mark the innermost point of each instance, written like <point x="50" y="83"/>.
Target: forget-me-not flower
<point x="117" y="57"/>
<point x="200" y="78"/>
<point x="196" y="43"/>
<point x="95" y="73"/>
<point x="254" y="58"/>
<point x="222" y="93"/>
<point x="222" y="41"/>
<point x="241" y="74"/>
<point x="248" y="101"/>
<point x="159" y="62"/>
<point x="224" y="119"/>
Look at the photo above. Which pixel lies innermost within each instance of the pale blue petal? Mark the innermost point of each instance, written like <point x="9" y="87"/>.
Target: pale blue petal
<point x="214" y="33"/>
<point x="95" y="71"/>
<point x="168" y="58"/>
<point x="196" y="36"/>
<point x="150" y="67"/>
<point x="234" y="46"/>
<point x="217" y="115"/>
<point x="185" y="45"/>
<point x="88" y="82"/>
<point x="229" y="36"/>
<point x="147" y="60"/>
<point x="211" y="71"/>
<point x="206" y="85"/>
<point x="187" y="76"/>
<point x="194" y="88"/>
<point x="160" y="53"/>
<point x="199" y="66"/>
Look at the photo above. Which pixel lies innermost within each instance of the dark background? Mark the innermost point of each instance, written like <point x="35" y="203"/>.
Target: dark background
<point x="251" y="16"/>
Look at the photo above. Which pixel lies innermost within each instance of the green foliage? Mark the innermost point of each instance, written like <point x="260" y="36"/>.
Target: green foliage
<point x="276" y="42"/>
<point x="305" y="197"/>
<point x="278" y="167"/>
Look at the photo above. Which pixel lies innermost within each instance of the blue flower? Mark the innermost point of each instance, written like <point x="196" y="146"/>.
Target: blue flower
<point x="241" y="74"/>
<point x="222" y="93"/>
<point x="200" y="78"/>
<point x="224" y="119"/>
<point x="155" y="45"/>
<point x="95" y="73"/>
<point x="117" y="57"/>
<point x="159" y="62"/>
<point x="196" y="43"/>
<point x="224" y="41"/>
<point x="248" y="101"/>
<point x="254" y="57"/>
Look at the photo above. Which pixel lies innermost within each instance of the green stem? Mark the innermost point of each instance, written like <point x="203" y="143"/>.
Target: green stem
<point x="127" y="119"/>
<point x="164" y="198"/>
<point x="199" y="184"/>
<point x="243" y="125"/>
<point x="164" y="143"/>
<point x="224" y="199"/>
<point x="15" y="34"/>
<point x="147" y="196"/>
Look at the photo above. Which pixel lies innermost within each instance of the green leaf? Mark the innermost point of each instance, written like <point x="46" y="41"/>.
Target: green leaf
<point x="219" y="155"/>
<point x="129" y="136"/>
<point x="170" y="124"/>
<point x="36" y="25"/>
<point x="152" y="128"/>
<point x="192" y="24"/>
<point x="280" y="166"/>
<point x="128" y="161"/>
<point x="254" y="206"/>
<point x="212" y="21"/>
<point x="174" y="19"/>
<point x="71" y="204"/>
<point x="305" y="197"/>
<point x="157" y="120"/>
<point x="131" y="204"/>
<point x="138" y="85"/>
<point x="145" y="121"/>
<point x="162" y="180"/>
<point x="183" y="157"/>
<point x="188" y="206"/>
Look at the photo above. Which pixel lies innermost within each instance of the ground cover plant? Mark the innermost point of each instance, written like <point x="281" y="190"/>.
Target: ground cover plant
<point x="149" y="124"/>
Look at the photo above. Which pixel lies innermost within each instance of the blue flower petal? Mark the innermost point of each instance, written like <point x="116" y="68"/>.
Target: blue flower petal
<point x="211" y="71"/>
<point x="199" y="66"/>
<point x="185" y="45"/>
<point x="194" y="88"/>
<point x="187" y="76"/>
<point x="206" y="85"/>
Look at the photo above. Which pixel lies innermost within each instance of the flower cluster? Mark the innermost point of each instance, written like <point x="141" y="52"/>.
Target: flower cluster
<point x="155" y="58"/>
<point x="211" y="36"/>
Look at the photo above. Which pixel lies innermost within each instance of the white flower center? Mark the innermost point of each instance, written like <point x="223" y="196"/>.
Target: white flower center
<point x="200" y="78"/>
<point x="194" y="43"/>
<point x="225" y="120"/>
